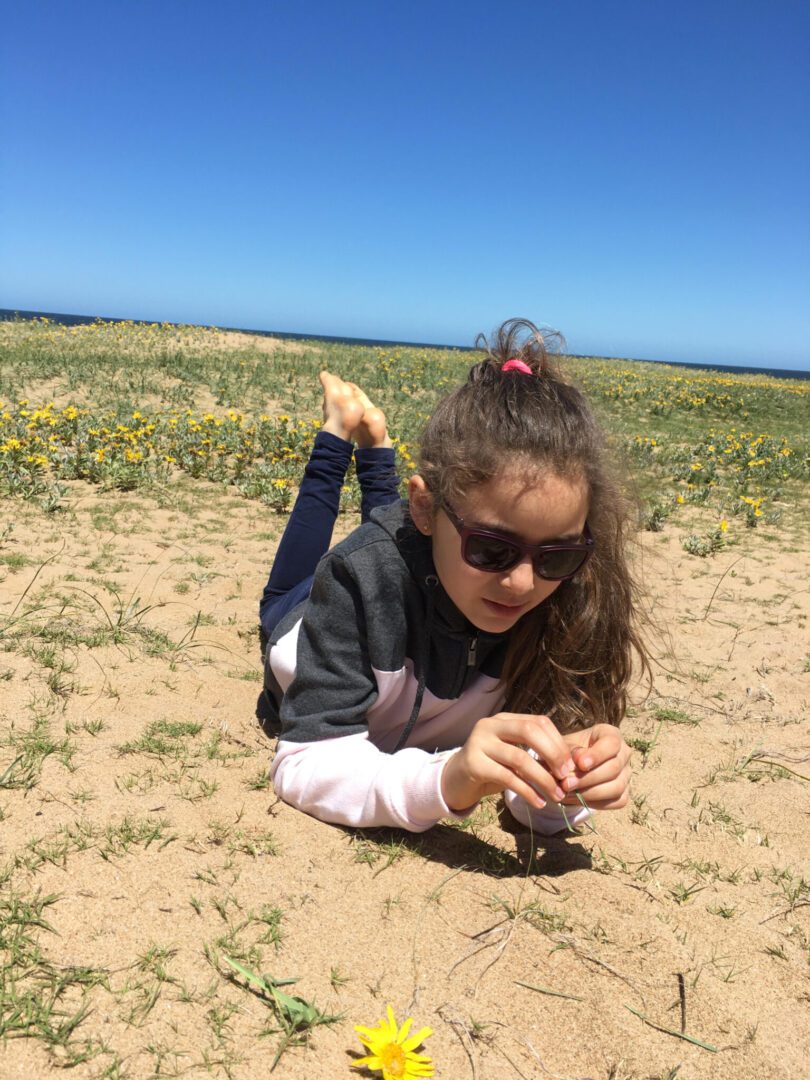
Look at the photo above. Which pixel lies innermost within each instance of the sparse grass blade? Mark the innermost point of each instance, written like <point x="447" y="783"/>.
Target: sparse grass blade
<point x="549" y="993"/>
<point x="673" y="1032"/>
<point x="296" y="1016"/>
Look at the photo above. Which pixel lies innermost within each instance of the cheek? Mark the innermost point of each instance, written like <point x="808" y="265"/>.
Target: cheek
<point x="455" y="575"/>
<point x="460" y="581"/>
<point x="446" y="553"/>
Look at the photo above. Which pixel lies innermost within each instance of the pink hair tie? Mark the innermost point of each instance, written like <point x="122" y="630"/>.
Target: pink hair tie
<point x="517" y="365"/>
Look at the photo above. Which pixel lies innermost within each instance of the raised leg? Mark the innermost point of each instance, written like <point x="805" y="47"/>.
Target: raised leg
<point x="349" y="417"/>
<point x="308" y="532"/>
<point x="374" y="459"/>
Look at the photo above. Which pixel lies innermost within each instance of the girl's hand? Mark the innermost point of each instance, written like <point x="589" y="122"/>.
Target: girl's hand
<point x="602" y="776"/>
<point x="495" y="757"/>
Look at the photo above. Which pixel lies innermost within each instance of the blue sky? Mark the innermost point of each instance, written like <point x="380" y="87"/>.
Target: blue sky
<point x="635" y="174"/>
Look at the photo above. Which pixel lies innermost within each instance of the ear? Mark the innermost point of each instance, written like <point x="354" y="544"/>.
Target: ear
<point x="420" y="502"/>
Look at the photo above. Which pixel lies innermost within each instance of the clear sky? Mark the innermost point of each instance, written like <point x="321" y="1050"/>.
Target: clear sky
<point x="633" y="173"/>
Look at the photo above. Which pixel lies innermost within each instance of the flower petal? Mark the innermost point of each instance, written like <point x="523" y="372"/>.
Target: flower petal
<point x="371" y="1062"/>
<point x="403" y="1031"/>
<point x="423" y="1069"/>
<point x="392" y="1021"/>
<point x="415" y="1040"/>
<point x="370" y="1033"/>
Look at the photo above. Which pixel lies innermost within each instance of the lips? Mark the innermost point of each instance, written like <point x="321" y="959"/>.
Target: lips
<point x="504" y="609"/>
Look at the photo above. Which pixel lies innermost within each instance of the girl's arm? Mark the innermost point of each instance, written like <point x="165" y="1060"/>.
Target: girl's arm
<point x="349" y="781"/>
<point x="326" y="764"/>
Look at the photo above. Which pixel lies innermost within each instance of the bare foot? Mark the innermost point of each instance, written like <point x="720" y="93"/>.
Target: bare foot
<point x="342" y="411"/>
<point x="361" y="395"/>
<point x="372" y="429"/>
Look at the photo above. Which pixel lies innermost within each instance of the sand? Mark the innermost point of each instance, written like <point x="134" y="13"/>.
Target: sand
<point x="691" y="907"/>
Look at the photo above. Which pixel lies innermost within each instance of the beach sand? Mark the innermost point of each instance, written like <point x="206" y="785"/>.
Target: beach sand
<point x="152" y="826"/>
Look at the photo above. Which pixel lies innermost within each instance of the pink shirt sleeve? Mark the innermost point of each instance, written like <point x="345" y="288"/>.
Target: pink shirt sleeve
<point x="349" y="781"/>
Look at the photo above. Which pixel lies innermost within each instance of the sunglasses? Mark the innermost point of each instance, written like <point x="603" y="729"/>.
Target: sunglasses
<point x="495" y="553"/>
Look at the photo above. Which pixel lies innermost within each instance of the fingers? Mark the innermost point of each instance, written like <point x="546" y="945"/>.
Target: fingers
<point x="605" y="743"/>
<point x="484" y="766"/>
<point x="530" y="794"/>
<point x="509" y="750"/>
<point x="604" y="787"/>
<point x="603" y="770"/>
<point x="601" y="774"/>
<point x="528" y="755"/>
<point x="540" y="734"/>
<point x="617" y="802"/>
<point x="530" y="772"/>
<point x="608" y="789"/>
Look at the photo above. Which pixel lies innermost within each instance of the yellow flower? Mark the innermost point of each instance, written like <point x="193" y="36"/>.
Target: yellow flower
<point x="724" y="525"/>
<point x="392" y="1052"/>
<point x="680" y="499"/>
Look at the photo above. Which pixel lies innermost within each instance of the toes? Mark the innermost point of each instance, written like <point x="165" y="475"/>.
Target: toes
<point x="334" y="387"/>
<point x="349" y="413"/>
<point x="342" y="411"/>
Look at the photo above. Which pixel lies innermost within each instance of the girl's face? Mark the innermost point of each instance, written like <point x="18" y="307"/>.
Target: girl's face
<point x="536" y="510"/>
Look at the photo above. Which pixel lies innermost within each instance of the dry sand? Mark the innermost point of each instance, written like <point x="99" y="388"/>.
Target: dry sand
<point x="694" y="898"/>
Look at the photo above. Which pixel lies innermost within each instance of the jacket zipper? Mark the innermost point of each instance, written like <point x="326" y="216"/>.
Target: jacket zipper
<point x="472" y="648"/>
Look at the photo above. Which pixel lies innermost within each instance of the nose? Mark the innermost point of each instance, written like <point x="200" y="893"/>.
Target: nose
<point x="520" y="579"/>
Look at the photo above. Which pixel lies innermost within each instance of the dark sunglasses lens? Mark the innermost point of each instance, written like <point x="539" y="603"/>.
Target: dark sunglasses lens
<point x="489" y="553"/>
<point x="555" y="565"/>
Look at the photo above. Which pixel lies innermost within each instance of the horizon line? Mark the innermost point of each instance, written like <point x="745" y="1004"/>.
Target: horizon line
<point x="67" y="319"/>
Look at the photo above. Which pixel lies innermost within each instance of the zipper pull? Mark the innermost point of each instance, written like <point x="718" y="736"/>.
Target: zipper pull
<point x="471" y="651"/>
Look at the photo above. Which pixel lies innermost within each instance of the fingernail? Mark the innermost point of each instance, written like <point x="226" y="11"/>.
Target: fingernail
<point x="565" y="770"/>
<point x="559" y="794"/>
<point x="587" y="762"/>
<point x="571" y="782"/>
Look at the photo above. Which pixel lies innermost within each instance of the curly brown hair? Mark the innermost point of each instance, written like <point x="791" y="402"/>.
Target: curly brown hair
<point x="572" y="657"/>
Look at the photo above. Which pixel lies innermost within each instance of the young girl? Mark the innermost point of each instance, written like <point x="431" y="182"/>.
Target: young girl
<point x="476" y="639"/>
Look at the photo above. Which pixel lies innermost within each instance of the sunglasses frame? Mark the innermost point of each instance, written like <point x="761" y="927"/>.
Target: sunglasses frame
<point x="532" y="550"/>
